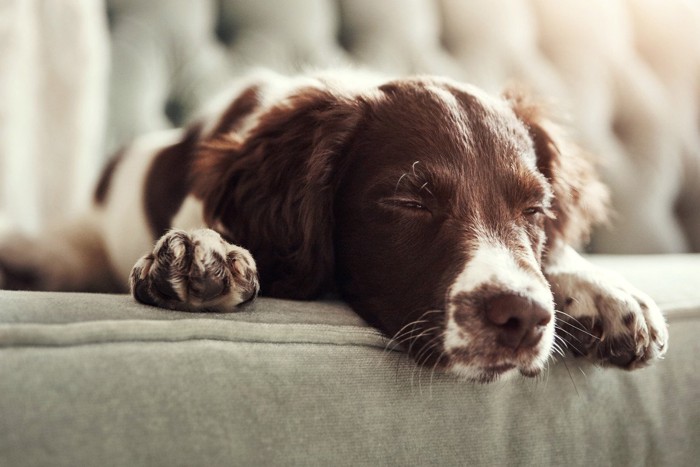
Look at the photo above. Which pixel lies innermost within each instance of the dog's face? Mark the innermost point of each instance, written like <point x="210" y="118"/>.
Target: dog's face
<point x="428" y="204"/>
<point x="440" y="230"/>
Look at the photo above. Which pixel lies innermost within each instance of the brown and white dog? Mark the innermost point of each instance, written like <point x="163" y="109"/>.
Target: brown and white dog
<point x="446" y="217"/>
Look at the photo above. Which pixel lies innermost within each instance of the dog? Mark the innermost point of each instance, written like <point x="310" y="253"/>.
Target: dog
<point x="446" y="217"/>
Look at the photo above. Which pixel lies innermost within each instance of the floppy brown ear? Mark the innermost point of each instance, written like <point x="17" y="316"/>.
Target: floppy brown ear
<point x="580" y="199"/>
<point x="273" y="192"/>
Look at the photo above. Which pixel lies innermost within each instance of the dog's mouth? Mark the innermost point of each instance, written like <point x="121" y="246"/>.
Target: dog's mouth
<point x="484" y="360"/>
<point x="494" y="373"/>
<point x="473" y="354"/>
<point x="491" y="373"/>
<point x="480" y="368"/>
<point x="499" y="369"/>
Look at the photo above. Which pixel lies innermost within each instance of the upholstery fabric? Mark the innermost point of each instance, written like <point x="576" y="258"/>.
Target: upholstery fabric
<point x="101" y="380"/>
<point x="625" y="73"/>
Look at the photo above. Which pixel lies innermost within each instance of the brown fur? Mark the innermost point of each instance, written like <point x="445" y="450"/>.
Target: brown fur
<point x="317" y="192"/>
<point x="581" y="200"/>
<point x="102" y="188"/>
<point x="234" y="115"/>
<point x="167" y="182"/>
<point x="273" y="192"/>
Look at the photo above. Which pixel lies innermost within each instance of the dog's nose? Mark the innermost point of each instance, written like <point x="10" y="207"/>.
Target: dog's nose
<point x="519" y="322"/>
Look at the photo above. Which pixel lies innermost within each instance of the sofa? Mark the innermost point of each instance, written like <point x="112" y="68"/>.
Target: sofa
<point x="95" y="379"/>
<point x="90" y="379"/>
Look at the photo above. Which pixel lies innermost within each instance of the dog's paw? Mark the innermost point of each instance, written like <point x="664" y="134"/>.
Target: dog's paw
<point x="603" y="317"/>
<point x="195" y="271"/>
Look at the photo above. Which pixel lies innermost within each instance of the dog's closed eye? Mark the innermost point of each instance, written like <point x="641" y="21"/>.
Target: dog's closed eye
<point x="408" y="204"/>
<point x="533" y="211"/>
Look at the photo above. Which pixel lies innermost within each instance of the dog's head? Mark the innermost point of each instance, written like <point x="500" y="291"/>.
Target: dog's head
<point x="429" y="204"/>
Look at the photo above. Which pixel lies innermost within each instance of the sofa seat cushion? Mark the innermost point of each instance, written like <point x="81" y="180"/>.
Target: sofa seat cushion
<point x="89" y="379"/>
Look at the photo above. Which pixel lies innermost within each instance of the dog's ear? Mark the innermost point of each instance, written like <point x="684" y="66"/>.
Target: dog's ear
<point x="580" y="199"/>
<point x="272" y="191"/>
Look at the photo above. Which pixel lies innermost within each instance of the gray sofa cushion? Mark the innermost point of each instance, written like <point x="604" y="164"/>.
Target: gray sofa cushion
<point x="100" y="380"/>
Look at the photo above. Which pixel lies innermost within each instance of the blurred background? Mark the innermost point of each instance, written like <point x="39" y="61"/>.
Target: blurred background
<point x="80" y="78"/>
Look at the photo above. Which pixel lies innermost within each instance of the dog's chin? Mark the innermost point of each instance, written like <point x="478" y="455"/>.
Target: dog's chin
<point x="491" y="373"/>
<point x="478" y="359"/>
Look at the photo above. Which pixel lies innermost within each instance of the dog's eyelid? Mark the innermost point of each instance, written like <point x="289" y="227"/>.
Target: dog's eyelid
<point x="407" y="203"/>
<point x="537" y="203"/>
<point x="537" y="209"/>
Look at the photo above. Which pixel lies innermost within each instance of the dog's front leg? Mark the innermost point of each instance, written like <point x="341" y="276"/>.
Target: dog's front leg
<point x="602" y="316"/>
<point x="195" y="271"/>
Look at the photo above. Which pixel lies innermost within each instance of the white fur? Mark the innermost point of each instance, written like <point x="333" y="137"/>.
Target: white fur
<point x="475" y="373"/>
<point x="127" y="241"/>
<point x="190" y="216"/>
<point x="494" y="264"/>
<point x="609" y="298"/>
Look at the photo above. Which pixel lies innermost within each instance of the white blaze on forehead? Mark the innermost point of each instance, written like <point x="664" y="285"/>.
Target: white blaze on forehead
<point x="452" y="106"/>
<point x="495" y="114"/>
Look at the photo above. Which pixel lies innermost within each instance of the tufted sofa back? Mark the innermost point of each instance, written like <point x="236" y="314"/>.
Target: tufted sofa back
<point x="625" y="72"/>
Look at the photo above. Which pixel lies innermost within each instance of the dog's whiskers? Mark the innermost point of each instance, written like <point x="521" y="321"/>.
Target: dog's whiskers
<point x="571" y="378"/>
<point x="558" y="327"/>
<point x="438" y="359"/>
<point x="399" y="182"/>
<point x="580" y="326"/>
<point x="425" y="187"/>
<point x="423" y="355"/>
<point x="562" y="312"/>
<point x="408" y="332"/>
<point x="416" y="338"/>
<point x="400" y="334"/>
<point x="557" y="348"/>
<point x="413" y="167"/>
